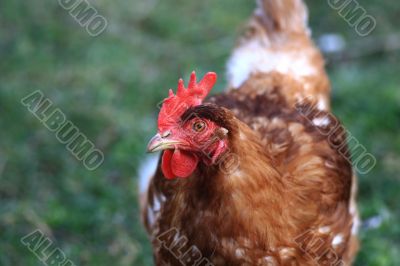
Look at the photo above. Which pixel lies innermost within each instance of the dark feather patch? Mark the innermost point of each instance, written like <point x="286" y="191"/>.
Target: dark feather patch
<point x="211" y="112"/>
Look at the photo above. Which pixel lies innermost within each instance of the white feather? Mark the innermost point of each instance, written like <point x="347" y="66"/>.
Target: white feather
<point x="255" y="56"/>
<point x="146" y="171"/>
<point x="337" y="240"/>
<point x="321" y="121"/>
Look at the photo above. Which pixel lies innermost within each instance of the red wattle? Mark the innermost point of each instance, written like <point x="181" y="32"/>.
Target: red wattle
<point x="166" y="164"/>
<point x="183" y="163"/>
<point x="178" y="164"/>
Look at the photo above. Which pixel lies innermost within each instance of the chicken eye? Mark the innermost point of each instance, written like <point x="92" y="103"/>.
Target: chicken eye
<point x="199" y="126"/>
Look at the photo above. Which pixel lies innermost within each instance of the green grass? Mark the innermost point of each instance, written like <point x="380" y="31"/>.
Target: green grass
<point x="109" y="86"/>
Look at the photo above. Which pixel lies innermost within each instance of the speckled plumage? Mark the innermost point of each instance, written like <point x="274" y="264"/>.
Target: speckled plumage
<point x="290" y="198"/>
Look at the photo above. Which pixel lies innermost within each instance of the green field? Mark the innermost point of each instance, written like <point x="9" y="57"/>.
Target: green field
<point x="109" y="87"/>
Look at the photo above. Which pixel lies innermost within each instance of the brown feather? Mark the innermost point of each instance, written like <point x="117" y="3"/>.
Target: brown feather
<point x="290" y="200"/>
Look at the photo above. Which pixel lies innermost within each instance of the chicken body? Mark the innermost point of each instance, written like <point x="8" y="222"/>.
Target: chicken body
<point x="286" y="195"/>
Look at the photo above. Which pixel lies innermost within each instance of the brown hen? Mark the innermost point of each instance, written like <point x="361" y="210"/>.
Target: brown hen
<point x="260" y="174"/>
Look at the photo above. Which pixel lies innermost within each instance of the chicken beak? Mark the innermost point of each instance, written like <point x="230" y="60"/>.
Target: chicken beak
<point x="159" y="143"/>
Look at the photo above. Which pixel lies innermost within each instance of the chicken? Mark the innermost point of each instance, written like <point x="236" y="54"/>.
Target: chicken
<point x="260" y="174"/>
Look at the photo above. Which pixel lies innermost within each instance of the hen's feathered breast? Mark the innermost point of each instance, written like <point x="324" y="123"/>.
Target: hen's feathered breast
<point x="291" y="192"/>
<point x="308" y="147"/>
<point x="291" y="201"/>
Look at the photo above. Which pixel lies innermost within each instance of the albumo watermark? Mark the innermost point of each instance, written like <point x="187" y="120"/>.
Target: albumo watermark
<point x="355" y="15"/>
<point x="45" y="250"/>
<point x="65" y="131"/>
<point x="86" y="15"/>
<point x="351" y="149"/>
<point x="178" y="245"/>
<point x="317" y="248"/>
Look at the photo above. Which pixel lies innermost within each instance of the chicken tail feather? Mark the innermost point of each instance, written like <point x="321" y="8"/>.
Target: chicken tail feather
<point x="277" y="44"/>
<point x="289" y="16"/>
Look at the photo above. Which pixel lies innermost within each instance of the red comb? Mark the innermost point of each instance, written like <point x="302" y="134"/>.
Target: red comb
<point x="175" y="105"/>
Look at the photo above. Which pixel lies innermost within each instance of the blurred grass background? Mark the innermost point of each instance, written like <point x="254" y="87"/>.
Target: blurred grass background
<point x="109" y="86"/>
